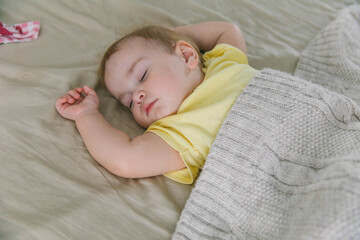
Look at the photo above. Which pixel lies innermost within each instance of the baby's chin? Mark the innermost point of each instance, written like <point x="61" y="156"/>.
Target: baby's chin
<point x="148" y="123"/>
<point x="145" y="125"/>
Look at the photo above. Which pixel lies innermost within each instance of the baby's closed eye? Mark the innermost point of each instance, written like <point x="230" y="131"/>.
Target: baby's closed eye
<point x="143" y="76"/>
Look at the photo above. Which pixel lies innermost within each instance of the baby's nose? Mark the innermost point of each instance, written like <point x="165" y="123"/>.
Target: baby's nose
<point x="139" y="96"/>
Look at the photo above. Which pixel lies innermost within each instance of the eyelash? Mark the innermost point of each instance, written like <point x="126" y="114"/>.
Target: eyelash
<point x="143" y="76"/>
<point x="141" y="80"/>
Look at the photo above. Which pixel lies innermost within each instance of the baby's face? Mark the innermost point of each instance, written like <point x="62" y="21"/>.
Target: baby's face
<point x="150" y="81"/>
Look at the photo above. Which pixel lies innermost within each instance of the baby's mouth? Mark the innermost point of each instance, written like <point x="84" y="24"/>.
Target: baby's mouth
<point x="148" y="108"/>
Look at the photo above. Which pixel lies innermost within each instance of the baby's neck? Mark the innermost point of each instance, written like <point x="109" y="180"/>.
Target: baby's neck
<point x="199" y="77"/>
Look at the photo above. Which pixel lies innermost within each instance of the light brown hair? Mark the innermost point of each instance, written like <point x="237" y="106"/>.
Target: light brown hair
<point x="160" y="35"/>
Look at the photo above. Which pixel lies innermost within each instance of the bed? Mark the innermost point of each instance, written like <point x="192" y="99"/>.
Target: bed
<point x="50" y="186"/>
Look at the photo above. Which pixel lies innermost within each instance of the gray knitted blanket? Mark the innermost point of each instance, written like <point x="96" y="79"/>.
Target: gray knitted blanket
<point x="286" y="162"/>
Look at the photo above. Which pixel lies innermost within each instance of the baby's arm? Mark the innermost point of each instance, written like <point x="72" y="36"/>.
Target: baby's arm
<point x="208" y="34"/>
<point x="144" y="156"/>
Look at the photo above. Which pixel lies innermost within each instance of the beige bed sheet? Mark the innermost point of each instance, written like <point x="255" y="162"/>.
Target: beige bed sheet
<point x="50" y="187"/>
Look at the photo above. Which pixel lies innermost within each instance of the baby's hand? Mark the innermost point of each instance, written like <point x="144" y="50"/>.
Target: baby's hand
<point x="77" y="102"/>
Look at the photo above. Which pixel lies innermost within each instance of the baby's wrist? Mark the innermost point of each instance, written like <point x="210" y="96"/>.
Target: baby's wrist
<point x="86" y="114"/>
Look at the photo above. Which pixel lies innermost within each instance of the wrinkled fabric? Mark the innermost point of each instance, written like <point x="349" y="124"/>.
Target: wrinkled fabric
<point x="50" y="186"/>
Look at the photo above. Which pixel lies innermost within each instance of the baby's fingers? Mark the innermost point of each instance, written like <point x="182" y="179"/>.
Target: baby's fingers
<point x="74" y="93"/>
<point x="80" y="90"/>
<point x="88" y="90"/>
<point x="67" y="98"/>
<point x="60" y="101"/>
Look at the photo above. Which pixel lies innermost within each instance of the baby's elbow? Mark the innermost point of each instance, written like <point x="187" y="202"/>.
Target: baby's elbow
<point x="231" y="27"/>
<point x="122" y="164"/>
<point x="120" y="169"/>
<point x="237" y="37"/>
<point x="126" y="168"/>
<point x="116" y="165"/>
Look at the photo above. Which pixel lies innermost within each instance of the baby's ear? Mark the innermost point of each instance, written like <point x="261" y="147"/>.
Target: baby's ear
<point x="186" y="51"/>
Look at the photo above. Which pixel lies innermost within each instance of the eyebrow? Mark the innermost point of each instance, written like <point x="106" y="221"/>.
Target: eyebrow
<point x="131" y="69"/>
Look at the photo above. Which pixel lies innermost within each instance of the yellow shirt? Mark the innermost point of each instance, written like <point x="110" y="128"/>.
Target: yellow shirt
<point x="192" y="130"/>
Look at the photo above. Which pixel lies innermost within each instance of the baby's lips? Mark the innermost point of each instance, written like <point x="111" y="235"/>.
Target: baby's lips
<point x="148" y="107"/>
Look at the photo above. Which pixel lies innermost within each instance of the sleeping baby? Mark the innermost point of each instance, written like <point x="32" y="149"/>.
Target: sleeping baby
<point x="179" y="95"/>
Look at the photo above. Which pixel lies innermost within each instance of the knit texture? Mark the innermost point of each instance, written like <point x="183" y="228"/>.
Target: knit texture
<point x="332" y="59"/>
<point x="284" y="165"/>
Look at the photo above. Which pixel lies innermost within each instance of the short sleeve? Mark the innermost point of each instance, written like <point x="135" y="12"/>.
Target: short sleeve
<point x="214" y="59"/>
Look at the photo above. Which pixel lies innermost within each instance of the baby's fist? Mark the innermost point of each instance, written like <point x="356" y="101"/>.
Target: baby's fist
<point x="77" y="102"/>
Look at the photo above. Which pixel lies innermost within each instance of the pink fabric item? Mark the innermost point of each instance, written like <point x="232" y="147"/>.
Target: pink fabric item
<point x="21" y="32"/>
